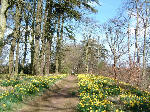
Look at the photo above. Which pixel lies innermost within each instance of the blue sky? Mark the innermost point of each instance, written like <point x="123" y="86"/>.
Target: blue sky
<point x="108" y="9"/>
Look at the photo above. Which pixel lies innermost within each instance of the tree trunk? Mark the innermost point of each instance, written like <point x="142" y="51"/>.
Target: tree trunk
<point x="144" y="60"/>
<point x="114" y="67"/>
<point x="129" y="53"/>
<point x="48" y="35"/>
<point x="32" y="42"/>
<point x="25" y="44"/>
<point x="4" y="6"/>
<point x="11" y="57"/>
<point x="42" y="55"/>
<point x="58" y="46"/>
<point x="17" y="36"/>
<point x="129" y="44"/>
<point x="32" y="55"/>
<point x="87" y="57"/>
<point x="61" y="43"/>
<point x="17" y="57"/>
<point x="144" y="78"/>
<point x="47" y="57"/>
<point x="37" y="37"/>
<point x="136" y="34"/>
<point x="42" y="59"/>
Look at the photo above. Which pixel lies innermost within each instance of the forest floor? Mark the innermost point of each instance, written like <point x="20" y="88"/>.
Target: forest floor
<point x="61" y="97"/>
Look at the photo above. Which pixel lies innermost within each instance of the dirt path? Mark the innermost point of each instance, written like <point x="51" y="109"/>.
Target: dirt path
<point x="62" y="97"/>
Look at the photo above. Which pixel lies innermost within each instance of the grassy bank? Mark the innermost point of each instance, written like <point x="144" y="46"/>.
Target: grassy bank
<point x="103" y="94"/>
<point x="15" y="90"/>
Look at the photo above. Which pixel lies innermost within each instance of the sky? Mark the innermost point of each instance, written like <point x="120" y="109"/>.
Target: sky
<point x="107" y="10"/>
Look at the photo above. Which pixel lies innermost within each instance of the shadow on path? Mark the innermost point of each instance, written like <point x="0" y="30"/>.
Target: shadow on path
<point x="61" y="97"/>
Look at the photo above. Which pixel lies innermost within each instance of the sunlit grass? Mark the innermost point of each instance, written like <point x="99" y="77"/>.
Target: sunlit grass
<point x="22" y="87"/>
<point x="103" y="94"/>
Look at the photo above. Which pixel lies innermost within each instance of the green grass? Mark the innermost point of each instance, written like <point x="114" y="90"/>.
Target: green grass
<point x="23" y="87"/>
<point x="103" y="94"/>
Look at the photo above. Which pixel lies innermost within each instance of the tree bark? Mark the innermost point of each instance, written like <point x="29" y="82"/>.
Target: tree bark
<point x="37" y="37"/>
<point x="58" y="46"/>
<point x="47" y="56"/>
<point x="17" y="57"/>
<point x="4" y="6"/>
<point x="61" y="42"/>
<point x="32" y="42"/>
<point x="11" y="57"/>
<point x="48" y="35"/>
<point x="144" y="79"/>
<point x="17" y="36"/>
<point x="43" y="39"/>
<point x="129" y="53"/>
<point x="129" y="44"/>
<point x="114" y="66"/>
<point x="136" y="34"/>
<point x="25" y="44"/>
<point x="87" y="57"/>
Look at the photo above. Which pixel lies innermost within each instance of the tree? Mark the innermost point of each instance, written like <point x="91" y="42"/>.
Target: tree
<point x="16" y="37"/>
<point x="145" y="21"/>
<point x="66" y="10"/>
<point x="115" y="38"/>
<point x="4" y="6"/>
<point x="46" y="19"/>
<point x="37" y="36"/>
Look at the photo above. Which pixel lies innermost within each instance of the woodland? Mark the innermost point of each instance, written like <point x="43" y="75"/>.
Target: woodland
<point x="47" y="40"/>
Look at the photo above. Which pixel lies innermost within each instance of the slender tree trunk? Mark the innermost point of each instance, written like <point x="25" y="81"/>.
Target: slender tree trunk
<point x="16" y="37"/>
<point x="47" y="57"/>
<point x="129" y="53"/>
<point x="25" y="44"/>
<point x="48" y="36"/>
<point x="33" y="40"/>
<point x="42" y="55"/>
<point x="17" y="57"/>
<point x="144" y="79"/>
<point x="37" y="36"/>
<point x="42" y="59"/>
<point x="136" y="43"/>
<point x="144" y="60"/>
<point x="136" y="34"/>
<point x="129" y="44"/>
<point x="4" y="6"/>
<point x="115" y="54"/>
<point x="32" y="55"/>
<point x="61" y="42"/>
<point x="87" y="57"/>
<point x="58" y="46"/>
<point x="115" y="62"/>
<point x="11" y="57"/>
<point x="62" y="28"/>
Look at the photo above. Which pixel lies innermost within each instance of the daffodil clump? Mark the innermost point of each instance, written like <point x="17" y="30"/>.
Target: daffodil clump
<point x="135" y="99"/>
<point x="11" y="82"/>
<point x="26" y="86"/>
<point x="136" y="103"/>
<point x="92" y="97"/>
<point x="104" y="94"/>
